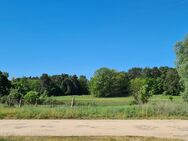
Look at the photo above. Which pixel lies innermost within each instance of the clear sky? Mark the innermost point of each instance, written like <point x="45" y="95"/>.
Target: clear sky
<point x="80" y="36"/>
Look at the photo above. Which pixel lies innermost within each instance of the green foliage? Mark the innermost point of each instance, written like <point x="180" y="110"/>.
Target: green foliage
<point x="21" y="84"/>
<point x="144" y="94"/>
<point x="59" y="85"/>
<point x="141" y="90"/>
<point x="135" y="73"/>
<point x="109" y="83"/>
<point x="171" y="98"/>
<point x="48" y="86"/>
<point x="171" y="83"/>
<point x="4" y="99"/>
<point x="84" y="85"/>
<point x="165" y="80"/>
<point x="5" y="84"/>
<point x="105" y="83"/>
<point x="181" y="50"/>
<point x="15" y="97"/>
<point x="31" y="97"/>
<point x="185" y="97"/>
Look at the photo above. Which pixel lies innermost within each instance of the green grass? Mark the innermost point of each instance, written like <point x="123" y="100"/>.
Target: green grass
<point x="119" y="101"/>
<point x="93" y="101"/>
<point x="87" y="107"/>
<point x="83" y="139"/>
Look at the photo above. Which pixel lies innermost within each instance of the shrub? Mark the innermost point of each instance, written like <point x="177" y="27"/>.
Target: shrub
<point x="171" y="98"/>
<point x="141" y="90"/>
<point x="15" y="97"/>
<point x="31" y="97"/>
<point x="3" y="99"/>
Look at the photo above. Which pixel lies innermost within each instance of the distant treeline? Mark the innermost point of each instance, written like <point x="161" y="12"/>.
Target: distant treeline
<point x="165" y="80"/>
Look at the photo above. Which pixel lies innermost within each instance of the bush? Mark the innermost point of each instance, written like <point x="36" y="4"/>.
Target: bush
<point x="185" y="97"/>
<point x="171" y="98"/>
<point x="31" y="97"/>
<point x="141" y="90"/>
<point x="145" y="94"/>
<point x="3" y="99"/>
<point x="15" y="97"/>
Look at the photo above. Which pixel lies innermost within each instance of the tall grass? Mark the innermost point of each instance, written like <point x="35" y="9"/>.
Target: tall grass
<point x="152" y="110"/>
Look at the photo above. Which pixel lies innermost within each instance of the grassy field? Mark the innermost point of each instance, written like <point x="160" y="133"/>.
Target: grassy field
<point x="83" y="139"/>
<point x="87" y="107"/>
<point x="88" y="100"/>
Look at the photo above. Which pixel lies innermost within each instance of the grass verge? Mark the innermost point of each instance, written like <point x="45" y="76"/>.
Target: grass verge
<point x="159" y="110"/>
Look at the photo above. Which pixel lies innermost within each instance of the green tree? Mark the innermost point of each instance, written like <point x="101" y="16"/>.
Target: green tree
<point x="141" y="90"/>
<point x="84" y="85"/>
<point x="181" y="49"/>
<point x="34" y="85"/>
<point x="135" y="73"/>
<point x="48" y="86"/>
<point x="121" y="84"/>
<point x="171" y="84"/>
<point x="69" y="87"/>
<point x="101" y="83"/>
<point x="15" y="97"/>
<point x="21" y="84"/>
<point x="76" y="85"/>
<point x="31" y="97"/>
<point x="109" y="83"/>
<point x="5" y="84"/>
<point x="144" y="94"/>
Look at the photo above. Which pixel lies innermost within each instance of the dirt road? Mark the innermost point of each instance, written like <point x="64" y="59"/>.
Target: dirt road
<point x="155" y="128"/>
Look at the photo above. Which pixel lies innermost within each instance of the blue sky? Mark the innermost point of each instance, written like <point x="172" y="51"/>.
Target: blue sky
<point x="80" y="36"/>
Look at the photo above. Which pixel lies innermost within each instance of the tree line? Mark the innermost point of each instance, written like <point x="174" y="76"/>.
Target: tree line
<point x="33" y="90"/>
<point x="141" y="83"/>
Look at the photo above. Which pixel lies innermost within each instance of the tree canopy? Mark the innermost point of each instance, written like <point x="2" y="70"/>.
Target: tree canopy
<point x="109" y="83"/>
<point x="181" y="49"/>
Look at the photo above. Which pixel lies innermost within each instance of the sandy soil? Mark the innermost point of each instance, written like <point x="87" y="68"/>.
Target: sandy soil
<point x="150" y="128"/>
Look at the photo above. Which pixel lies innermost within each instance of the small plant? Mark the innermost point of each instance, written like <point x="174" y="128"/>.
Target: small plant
<point x="171" y="98"/>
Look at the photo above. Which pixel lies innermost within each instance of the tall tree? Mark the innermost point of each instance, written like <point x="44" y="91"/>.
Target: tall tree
<point x="171" y="83"/>
<point x="5" y="84"/>
<point x="109" y="83"/>
<point x="101" y="83"/>
<point x="135" y="73"/>
<point x="48" y="87"/>
<point x="76" y="85"/>
<point x="84" y="84"/>
<point x="181" y="49"/>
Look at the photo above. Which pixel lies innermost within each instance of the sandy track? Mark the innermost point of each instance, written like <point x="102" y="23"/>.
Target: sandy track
<point x="155" y="128"/>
